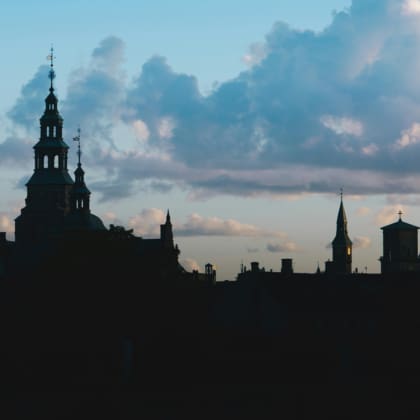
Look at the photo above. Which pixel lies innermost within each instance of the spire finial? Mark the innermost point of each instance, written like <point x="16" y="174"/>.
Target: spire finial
<point x="400" y="213"/>
<point x="79" y="150"/>
<point x="51" y="74"/>
<point x="341" y="193"/>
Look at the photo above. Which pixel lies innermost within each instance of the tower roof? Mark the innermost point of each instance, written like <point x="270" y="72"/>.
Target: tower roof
<point x="400" y="225"/>
<point x="341" y="236"/>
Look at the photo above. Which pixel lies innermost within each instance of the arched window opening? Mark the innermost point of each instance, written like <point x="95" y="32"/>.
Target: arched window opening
<point x="45" y="162"/>
<point x="55" y="165"/>
<point x="54" y="131"/>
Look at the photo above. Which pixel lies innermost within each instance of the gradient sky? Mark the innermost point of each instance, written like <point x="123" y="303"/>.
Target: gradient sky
<point x="244" y="118"/>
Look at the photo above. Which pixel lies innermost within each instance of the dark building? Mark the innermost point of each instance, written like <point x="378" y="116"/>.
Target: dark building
<point x="400" y="249"/>
<point x="49" y="188"/>
<point x="57" y="215"/>
<point x="341" y="246"/>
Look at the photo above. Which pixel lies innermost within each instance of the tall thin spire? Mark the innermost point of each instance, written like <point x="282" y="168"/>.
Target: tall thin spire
<point x="51" y="74"/>
<point x="168" y="218"/>
<point x="79" y="150"/>
<point x="342" y="245"/>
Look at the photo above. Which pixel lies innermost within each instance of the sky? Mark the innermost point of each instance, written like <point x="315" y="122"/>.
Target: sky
<point x="244" y="118"/>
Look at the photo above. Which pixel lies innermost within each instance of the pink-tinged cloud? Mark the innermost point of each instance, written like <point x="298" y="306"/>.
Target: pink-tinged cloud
<point x="361" y="242"/>
<point x="280" y="247"/>
<point x="389" y="214"/>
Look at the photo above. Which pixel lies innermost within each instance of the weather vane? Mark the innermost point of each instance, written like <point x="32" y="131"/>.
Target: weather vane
<point x="79" y="150"/>
<point x="50" y="58"/>
<point x="400" y="213"/>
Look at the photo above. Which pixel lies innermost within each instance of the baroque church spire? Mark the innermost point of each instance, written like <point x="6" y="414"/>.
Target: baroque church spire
<point x="48" y="189"/>
<point x="80" y="198"/>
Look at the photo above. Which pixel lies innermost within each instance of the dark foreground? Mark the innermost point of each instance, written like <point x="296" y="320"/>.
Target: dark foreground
<point x="124" y="344"/>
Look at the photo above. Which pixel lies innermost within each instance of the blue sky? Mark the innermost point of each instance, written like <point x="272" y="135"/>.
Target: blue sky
<point x="244" y="118"/>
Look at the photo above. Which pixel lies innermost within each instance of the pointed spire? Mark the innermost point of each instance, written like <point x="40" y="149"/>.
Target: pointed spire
<point x="168" y="218"/>
<point x="341" y="217"/>
<point x="51" y="74"/>
<point x="79" y="150"/>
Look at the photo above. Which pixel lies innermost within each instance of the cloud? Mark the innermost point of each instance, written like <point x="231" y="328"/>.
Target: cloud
<point x="282" y="247"/>
<point x="6" y="223"/>
<point x="28" y="108"/>
<point x="363" y="211"/>
<point x="362" y="242"/>
<point x="409" y="137"/>
<point x="197" y="225"/>
<point x="410" y="7"/>
<point x="251" y="250"/>
<point x="147" y="222"/>
<point x="190" y="264"/>
<point x="256" y="53"/>
<point x="312" y="111"/>
<point x="342" y="125"/>
<point x="389" y="214"/>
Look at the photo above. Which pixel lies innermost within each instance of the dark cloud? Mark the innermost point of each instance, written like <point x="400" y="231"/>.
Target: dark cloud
<point x="282" y="247"/>
<point x="30" y="105"/>
<point x="314" y="111"/>
<point x="15" y="149"/>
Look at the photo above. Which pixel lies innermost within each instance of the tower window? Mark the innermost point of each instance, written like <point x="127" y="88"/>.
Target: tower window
<point x="55" y="161"/>
<point x="45" y="161"/>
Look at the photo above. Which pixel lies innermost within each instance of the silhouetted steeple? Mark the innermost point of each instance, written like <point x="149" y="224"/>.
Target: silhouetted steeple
<point x="342" y="245"/>
<point x="48" y="189"/>
<point x="80" y="197"/>
<point x="80" y="217"/>
<point x="166" y="235"/>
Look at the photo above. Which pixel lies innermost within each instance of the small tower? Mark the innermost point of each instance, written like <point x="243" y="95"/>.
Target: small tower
<point x="80" y="217"/>
<point x="166" y="235"/>
<point x="341" y="245"/>
<point x="80" y="196"/>
<point x="49" y="188"/>
<point x="400" y="248"/>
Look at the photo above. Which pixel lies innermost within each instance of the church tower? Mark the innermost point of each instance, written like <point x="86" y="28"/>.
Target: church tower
<point x="166" y="235"/>
<point x="49" y="188"/>
<point x="80" y="217"/>
<point x="342" y="245"/>
<point x="400" y="248"/>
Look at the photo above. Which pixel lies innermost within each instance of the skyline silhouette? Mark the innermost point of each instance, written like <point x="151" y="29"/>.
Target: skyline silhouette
<point x="242" y="165"/>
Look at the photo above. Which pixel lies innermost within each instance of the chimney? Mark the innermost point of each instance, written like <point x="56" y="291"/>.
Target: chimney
<point x="255" y="267"/>
<point x="286" y="266"/>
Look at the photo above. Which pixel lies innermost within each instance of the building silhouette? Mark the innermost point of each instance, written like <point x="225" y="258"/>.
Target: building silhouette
<point x="93" y="308"/>
<point x="341" y="245"/>
<point x="400" y="247"/>
<point x="57" y="215"/>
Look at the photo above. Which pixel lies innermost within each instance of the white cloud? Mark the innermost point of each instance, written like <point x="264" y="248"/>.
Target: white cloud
<point x="388" y="214"/>
<point x="411" y="7"/>
<point x="190" y="264"/>
<point x="147" y="222"/>
<point x="362" y="242"/>
<point x="166" y="128"/>
<point x="197" y="225"/>
<point x="282" y="247"/>
<point x="342" y="125"/>
<point x="409" y="137"/>
<point x="256" y="53"/>
<point x="363" y="211"/>
<point x="6" y="223"/>
<point x="141" y="130"/>
<point x="370" y="150"/>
